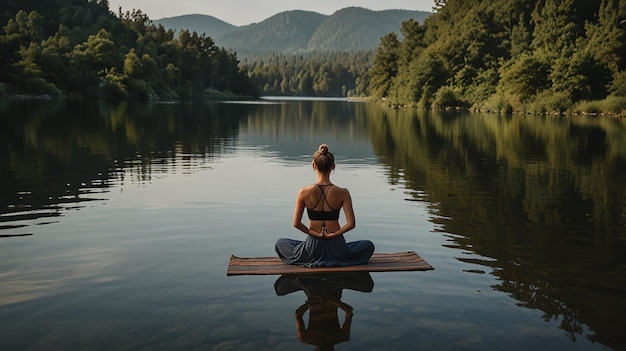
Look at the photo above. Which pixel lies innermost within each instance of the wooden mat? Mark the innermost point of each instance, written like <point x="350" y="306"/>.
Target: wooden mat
<point x="379" y="262"/>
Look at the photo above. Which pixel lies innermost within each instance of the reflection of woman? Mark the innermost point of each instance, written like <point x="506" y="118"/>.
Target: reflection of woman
<point x="325" y="244"/>
<point x="323" y="302"/>
<point x="323" y="331"/>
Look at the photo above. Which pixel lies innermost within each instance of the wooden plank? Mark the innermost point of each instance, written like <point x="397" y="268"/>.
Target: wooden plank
<point x="379" y="262"/>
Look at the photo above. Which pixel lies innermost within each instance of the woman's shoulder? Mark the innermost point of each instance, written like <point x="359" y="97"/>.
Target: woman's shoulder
<point x="337" y="187"/>
<point x="308" y="187"/>
<point x="336" y="190"/>
<point x="306" y="190"/>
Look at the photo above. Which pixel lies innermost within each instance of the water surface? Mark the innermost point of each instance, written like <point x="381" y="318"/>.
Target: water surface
<point x="125" y="215"/>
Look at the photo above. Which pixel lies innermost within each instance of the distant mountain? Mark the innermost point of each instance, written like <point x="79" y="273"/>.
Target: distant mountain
<point x="209" y="25"/>
<point x="356" y="28"/>
<point x="349" y="29"/>
<point x="286" y="31"/>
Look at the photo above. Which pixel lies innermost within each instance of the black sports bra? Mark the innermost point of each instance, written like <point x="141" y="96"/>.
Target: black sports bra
<point x="323" y="215"/>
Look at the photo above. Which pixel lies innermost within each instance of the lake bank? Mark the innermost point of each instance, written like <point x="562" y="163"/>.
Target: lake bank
<point x="614" y="107"/>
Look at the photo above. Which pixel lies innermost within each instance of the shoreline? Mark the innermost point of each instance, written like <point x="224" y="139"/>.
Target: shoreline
<point x="221" y="96"/>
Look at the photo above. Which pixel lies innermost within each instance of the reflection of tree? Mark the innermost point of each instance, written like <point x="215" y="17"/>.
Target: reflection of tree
<point x="544" y="197"/>
<point x="323" y="302"/>
<point x="59" y="152"/>
<point x="294" y="129"/>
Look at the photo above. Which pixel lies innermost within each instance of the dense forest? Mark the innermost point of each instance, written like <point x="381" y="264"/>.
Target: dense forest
<point x="547" y="56"/>
<point x="81" y="48"/>
<point x="530" y="56"/>
<point x="338" y="74"/>
<point x="539" y="56"/>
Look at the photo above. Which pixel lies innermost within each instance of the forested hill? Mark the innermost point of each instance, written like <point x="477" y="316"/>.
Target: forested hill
<point x="286" y="31"/>
<point x="349" y="29"/>
<point x="545" y="56"/>
<point x="81" y="48"/>
<point x="359" y="29"/>
<point x="209" y="25"/>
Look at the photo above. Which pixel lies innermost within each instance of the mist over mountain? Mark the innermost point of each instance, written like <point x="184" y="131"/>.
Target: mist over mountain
<point x="348" y="29"/>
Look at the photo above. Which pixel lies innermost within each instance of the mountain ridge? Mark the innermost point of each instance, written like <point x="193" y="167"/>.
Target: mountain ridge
<point x="196" y="22"/>
<point x="288" y="31"/>
<point x="347" y="29"/>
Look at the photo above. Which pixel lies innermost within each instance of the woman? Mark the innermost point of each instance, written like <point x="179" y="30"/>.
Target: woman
<point x="325" y="244"/>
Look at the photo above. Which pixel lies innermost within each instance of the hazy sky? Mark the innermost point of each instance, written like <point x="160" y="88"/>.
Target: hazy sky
<point x="241" y="12"/>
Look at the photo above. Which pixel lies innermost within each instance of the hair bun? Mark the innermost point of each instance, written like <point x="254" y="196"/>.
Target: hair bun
<point x="324" y="149"/>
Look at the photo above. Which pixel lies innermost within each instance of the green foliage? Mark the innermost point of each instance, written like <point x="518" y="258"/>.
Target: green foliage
<point x="607" y="36"/>
<point x="289" y="30"/>
<point x="357" y="29"/>
<point x="612" y="104"/>
<point x="112" y="85"/>
<point x="618" y="86"/>
<point x="385" y="66"/>
<point x="549" y="102"/>
<point x="81" y="48"/>
<point x="522" y="56"/>
<point x="316" y="74"/>
<point x="197" y="23"/>
<point x="495" y="103"/>
<point x="509" y="56"/>
<point x="580" y="76"/>
<point x="615" y="104"/>
<point x="447" y="97"/>
<point x="525" y="76"/>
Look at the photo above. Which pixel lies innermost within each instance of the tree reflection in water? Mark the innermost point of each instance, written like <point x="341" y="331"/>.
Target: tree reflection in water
<point x="323" y="292"/>
<point x="539" y="202"/>
<point x="540" y="199"/>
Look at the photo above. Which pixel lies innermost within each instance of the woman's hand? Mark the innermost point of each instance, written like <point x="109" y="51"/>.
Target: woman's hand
<point x="319" y="235"/>
<point x="323" y="233"/>
<point x="328" y="235"/>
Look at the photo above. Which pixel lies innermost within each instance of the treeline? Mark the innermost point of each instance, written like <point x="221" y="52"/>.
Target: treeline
<point x="337" y="74"/>
<point x="514" y="56"/>
<point x="81" y="48"/>
<point x="539" y="56"/>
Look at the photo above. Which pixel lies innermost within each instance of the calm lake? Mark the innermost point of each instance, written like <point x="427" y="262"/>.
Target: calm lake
<point x="117" y="221"/>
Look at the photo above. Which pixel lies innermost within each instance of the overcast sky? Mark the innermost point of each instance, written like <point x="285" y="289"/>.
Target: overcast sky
<point x="242" y="12"/>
